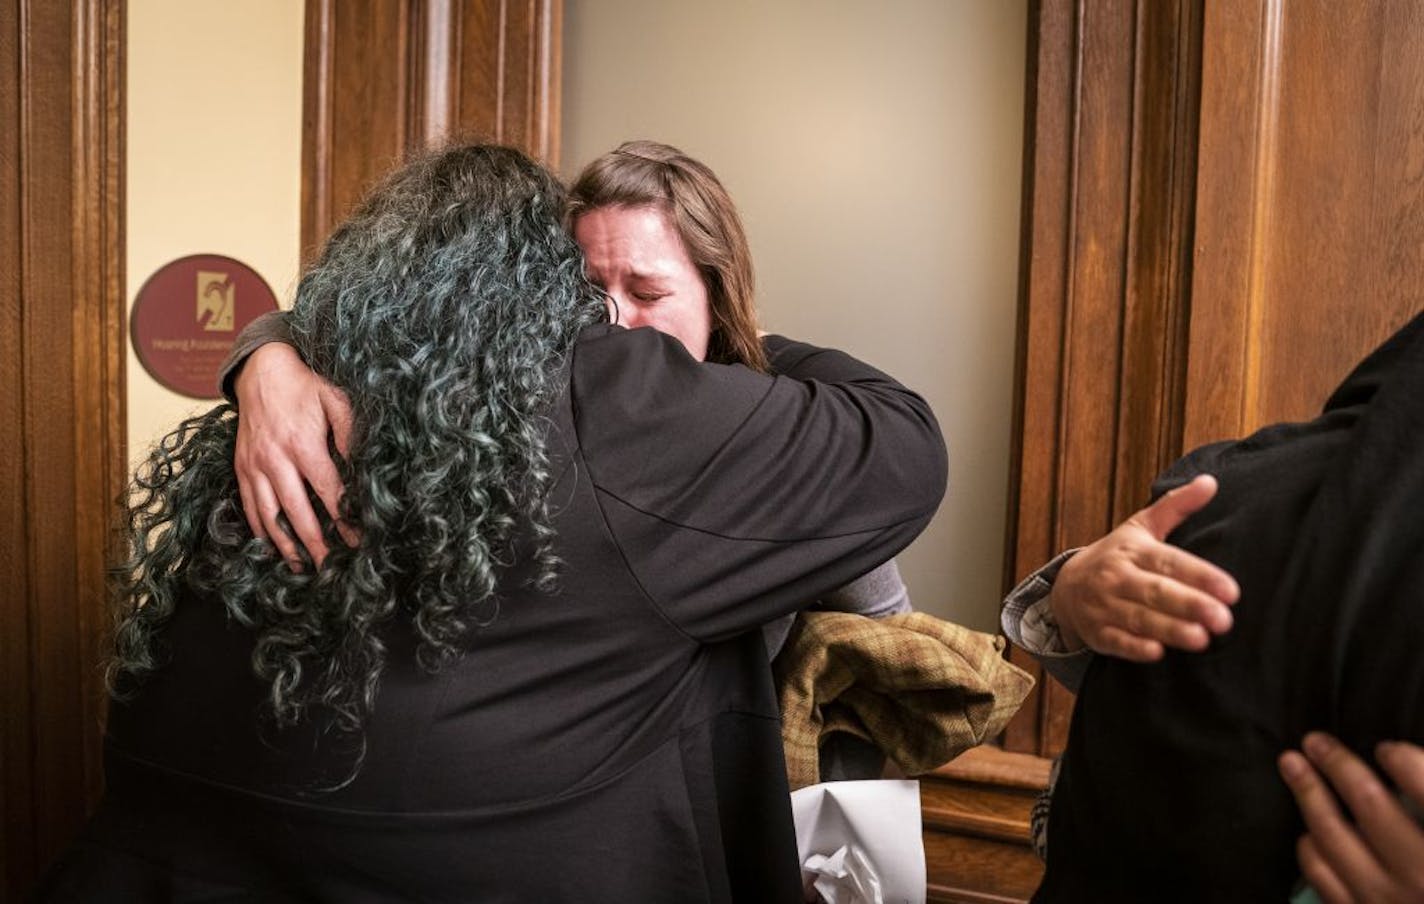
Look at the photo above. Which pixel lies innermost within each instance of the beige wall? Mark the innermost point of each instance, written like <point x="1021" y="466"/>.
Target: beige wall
<point x="214" y="166"/>
<point x="874" y="149"/>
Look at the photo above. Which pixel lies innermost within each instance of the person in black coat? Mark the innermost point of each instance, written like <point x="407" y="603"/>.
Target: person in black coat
<point x="536" y="677"/>
<point x="1169" y="787"/>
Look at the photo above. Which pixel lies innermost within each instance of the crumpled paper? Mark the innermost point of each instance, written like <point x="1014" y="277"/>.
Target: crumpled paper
<point x="844" y="877"/>
<point x="860" y="842"/>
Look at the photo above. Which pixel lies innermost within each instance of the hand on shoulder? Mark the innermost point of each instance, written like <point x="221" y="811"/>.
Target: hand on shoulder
<point x="286" y="413"/>
<point x="1131" y="594"/>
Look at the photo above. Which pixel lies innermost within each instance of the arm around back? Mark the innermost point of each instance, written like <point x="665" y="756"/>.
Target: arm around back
<point x="286" y="415"/>
<point x="735" y="496"/>
<point x="270" y="327"/>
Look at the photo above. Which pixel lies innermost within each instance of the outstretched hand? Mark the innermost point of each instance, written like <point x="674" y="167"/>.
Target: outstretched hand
<point x="286" y="414"/>
<point x="1380" y="858"/>
<point x="1131" y="594"/>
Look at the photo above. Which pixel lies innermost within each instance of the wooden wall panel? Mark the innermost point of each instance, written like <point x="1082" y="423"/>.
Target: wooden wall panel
<point x="1158" y="259"/>
<point x="1046" y="220"/>
<point x="47" y="373"/>
<point x="1204" y="258"/>
<point x="356" y="88"/>
<point x="1311" y="222"/>
<point x="1094" y="285"/>
<point x="509" y="74"/>
<point x="976" y="826"/>
<point x="100" y="335"/>
<point x="477" y="41"/>
<point x="61" y="411"/>
<point x="386" y="78"/>
<point x="1397" y="230"/>
<point x="16" y="837"/>
<point x="1108" y="238"/>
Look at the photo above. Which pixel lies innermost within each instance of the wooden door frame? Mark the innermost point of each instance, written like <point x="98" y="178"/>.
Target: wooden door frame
<point x="386" y="81"/>
<point x="1112" y="123"/>
<point x="62" y="411"/>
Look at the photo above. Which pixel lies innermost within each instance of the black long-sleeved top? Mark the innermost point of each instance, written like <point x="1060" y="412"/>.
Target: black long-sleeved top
<point x="616" y="740"/>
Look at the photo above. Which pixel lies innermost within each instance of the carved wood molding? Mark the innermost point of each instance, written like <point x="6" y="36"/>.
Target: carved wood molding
<point x="100" y="324"/>
<point x="1238" y="199"/>
<point x="1114" y="97"/>
<point x="387" y="78"/>
<point x="976" y="826"/>
<point x="62" y="458"/>
<point x="1310" y="223"/>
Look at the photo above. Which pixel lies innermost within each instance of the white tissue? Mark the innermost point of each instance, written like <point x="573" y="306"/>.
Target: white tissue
<point x="844" y="877"/>
<point x="860" y="842"/>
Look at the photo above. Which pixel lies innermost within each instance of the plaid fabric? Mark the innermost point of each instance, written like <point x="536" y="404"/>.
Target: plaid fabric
<point x="1038" y="818"/>
<point x="1027" y="620"/>
<point x="919" y="688"/>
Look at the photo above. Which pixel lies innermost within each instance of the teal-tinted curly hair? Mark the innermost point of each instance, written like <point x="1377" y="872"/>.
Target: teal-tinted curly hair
<point x="445" y="308"/>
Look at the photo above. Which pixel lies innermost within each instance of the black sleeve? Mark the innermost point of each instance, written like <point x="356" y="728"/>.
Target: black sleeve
<point x="270" y="327"/>
<point x="735" y="496"/>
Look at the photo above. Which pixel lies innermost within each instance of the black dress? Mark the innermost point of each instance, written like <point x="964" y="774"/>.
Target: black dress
<point x="616" y="740"/>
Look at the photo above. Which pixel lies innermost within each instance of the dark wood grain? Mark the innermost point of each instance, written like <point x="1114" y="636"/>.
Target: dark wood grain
<point x="1161" y="210"/>
<point x="479" y="85"/>
<point x="509" y="73"/>
<point x="16" y="832"/>
<point x="47" y="372"/>
<point x="1312" y="187"/>
<point x="966" y="869"/>
<point x="975" y="812"/>
<point x="100" y="406"/>
<point x="355" y="109"/>
<point x="1046" y="225"/>
<point x="318" y="59"/>
<point x="1225" y="211"/>
<point x="61" y="411"/>
<point x="1107" y="280"/>
<point x="384" y="79"/>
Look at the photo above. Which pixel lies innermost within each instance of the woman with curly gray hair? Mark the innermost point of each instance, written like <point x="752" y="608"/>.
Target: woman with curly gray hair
<point x="534" y="677"/>
<point x="661" y="238"/>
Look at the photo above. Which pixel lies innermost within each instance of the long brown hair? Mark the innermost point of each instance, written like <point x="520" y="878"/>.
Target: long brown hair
<point x="643" y="173"/>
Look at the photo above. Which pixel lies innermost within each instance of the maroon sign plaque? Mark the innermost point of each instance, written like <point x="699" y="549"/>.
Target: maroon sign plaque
<point x="187" y="315"/>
